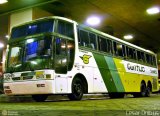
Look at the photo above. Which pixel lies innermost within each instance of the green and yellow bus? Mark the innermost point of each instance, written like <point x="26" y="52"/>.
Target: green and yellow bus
<point x="58" y="56"/>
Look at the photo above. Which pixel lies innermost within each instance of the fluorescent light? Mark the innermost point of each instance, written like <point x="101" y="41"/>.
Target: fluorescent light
<point x="1" y="45"/>
<point x="93" y="20"/>
<point x="3" y="1"/>
<point x="153" y="10"/>
<point x="128" y="37"/>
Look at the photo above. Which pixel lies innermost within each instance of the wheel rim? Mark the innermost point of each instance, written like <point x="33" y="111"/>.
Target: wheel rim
<point x="77" y="89"/>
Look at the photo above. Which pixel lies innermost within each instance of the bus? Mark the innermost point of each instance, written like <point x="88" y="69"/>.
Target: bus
<point x="57" y="56"/>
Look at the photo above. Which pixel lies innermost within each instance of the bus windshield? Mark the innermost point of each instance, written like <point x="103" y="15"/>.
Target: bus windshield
<point x="35" y="54"/>
<point x="39" y="48"/>
<point x="33" y="28"/>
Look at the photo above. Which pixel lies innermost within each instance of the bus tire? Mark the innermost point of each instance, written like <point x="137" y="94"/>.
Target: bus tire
<point x="142" y="92"/>
<point x="77" y="90"/>
<point x="148" y="91"/>
<point x="39" y="98"/>
<point x="116" y="95"/>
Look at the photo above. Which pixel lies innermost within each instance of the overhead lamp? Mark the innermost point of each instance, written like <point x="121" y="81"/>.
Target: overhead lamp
<point x="93" y="20"/>
<point x="128" y="37"/>
<point x="3" y="1"/>
<point x="1" y="45"/>
<point x="153" y="10"/>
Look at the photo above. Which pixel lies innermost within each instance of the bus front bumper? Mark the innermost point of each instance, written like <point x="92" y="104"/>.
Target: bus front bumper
<point x="29" y="87"/>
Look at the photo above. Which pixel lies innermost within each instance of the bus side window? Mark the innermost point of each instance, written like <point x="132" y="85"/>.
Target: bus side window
<point x="109" y="46"/>
<point x="93" y="41"/>
<point x="61" y="56"/>
<point x="120" y="50"/>
<point x="143" y="57"/>
<point x="115" y="48"/>
<point x="84" y="38"/>
<point x="65" y="28"/>
<point x="102" y="44"/>
<point x="140" y="56"/>
<point x="131" y="53"/>
<point x="154" y="60"/>
<point x="148" y="59"/>
<point x="70" y="53"/>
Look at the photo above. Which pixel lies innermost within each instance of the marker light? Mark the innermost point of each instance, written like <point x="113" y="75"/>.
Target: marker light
<point x="93" y="21"/>
<point x="153" y="10"/>
<point x="128" y="37"/>
<point x="3" y="1"/>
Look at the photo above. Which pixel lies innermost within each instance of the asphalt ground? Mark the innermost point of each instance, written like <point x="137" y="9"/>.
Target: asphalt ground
<point x="90" y="105"/>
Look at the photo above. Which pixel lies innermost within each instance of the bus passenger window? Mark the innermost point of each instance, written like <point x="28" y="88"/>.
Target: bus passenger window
<point x="93" y="41"/>
<point x="65" y="28"/>
<point x="143" y="57"/>
<point x="115" y="48"/>
<point x="84" y="39"/>
<point x="148" y="59"/>
<point x="154" y="60"/>
<point x="140" y="56"/>
<point x="102" y="44"/>
<point x="109" y="46"/>
<point x="120" y="49"/>
<point x="131" y="53"/>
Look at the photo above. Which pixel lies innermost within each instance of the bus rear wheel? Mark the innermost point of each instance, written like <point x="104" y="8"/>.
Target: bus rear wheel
<point x="77" y="90"/>
<point x="142" y="92"/>
<point x="39" y="98"/>
<point x="148" y="91"/>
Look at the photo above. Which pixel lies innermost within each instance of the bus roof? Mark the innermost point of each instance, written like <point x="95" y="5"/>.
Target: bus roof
<point x="44" y="18"/>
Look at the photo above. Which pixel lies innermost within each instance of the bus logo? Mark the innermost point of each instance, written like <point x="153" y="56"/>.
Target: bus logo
<point x="85" y="58"/>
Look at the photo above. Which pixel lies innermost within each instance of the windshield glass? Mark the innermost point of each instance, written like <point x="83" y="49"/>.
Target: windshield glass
<point x="38" y="48"/>
<point x="33" y="54"/>
<point x="15" y="56"/>
<point x="33" y="28"/>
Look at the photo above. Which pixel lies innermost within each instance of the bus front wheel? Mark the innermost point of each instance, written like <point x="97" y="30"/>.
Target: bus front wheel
<point x="77" y="90"/>
<point x="39" y="98"/>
